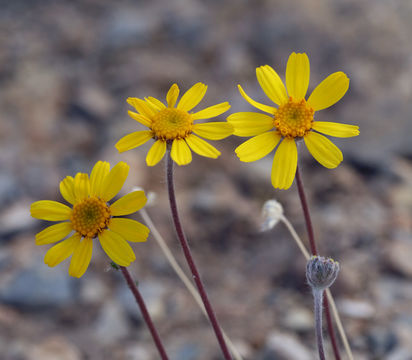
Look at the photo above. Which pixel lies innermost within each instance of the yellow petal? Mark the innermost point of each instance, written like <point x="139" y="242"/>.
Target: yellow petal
<point x="114" y="180"/>
<point x="53" y="233"/>
<point x="157" y="104"/>
<point x="211" y="111"/>
<point x="97" y="176"/>
<point x="269" y="109"/>
<point x="61" y="251"/>
<point x="142" y="107"/>
<point x="156" y="153"/>
<point x="329" y="91"/>
<point x="172" y="95"/>
<point x="140" y="118"/>
<point x="257" y="147"/>
<point x="81" y="258"/>
<point x="180" y="152"/>
<point x="128" y="204"/>
<point x="336" y="129"/>
<point x="213" y="130"/>
<point x="116" y="248"/>
<point x="192" y="97"/>
<point x="133" y="140"/>
<point x="297" y="75"/>
<point x="129" y="229"/>
<point x="284" y="164"/>
<point x="67" y="189"/>
<point x="50" y="210"/>
<point x="201" y="147"/>
<point x="81" y="186"/>
<point x="323" y="150"/>
<point x="271" y="84"/>
<point x="250" y="123"/>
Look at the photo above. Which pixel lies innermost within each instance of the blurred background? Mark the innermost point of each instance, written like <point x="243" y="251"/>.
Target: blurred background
<point x="66" y="69"/>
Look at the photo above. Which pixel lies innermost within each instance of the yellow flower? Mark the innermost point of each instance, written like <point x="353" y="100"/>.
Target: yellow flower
<point x="175" y="126"/>
<point x="90" y="217"/>
<point x="292" y="120"/>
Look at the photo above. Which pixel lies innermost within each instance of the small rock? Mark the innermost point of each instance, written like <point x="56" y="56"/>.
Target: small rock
<point x="54" y="348"/>
<point x="139" y="352"/>
<point x="152" y="294"/>
<point x="356" y="309"/>
<point x="381" y="341"/>
<point x="188" y="351"/>
<point x="299" y="319"/>
<point x="39" y="286"/>
<point x="15" y="218"/>
<point x="399" y="256"/>
<point x="111" y="324"/>
<point x="282" y="346"/>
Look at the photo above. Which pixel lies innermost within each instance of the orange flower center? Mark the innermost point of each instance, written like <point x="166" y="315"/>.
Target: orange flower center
<point x="90" y="217"/>
<point x="169" y="124"/>
<point x="294" y="119"/>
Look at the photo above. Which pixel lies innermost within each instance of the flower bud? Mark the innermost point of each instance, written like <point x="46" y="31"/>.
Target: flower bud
<point x="321" y="272"/>
<point x="272" y="212"/>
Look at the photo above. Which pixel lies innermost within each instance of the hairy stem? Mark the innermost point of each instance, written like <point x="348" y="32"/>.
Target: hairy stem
<point x="143" y="309"/>
<point x="189" y="258"/>
<point x="317" y="296"/>
<point x="314" y="251"/>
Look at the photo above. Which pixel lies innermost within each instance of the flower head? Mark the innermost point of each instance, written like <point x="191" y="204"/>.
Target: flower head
<point x="91" y="217"/>
<point x="174" y="125"/>
<point x="292" y="120"/>
<point x="321" y="272"/>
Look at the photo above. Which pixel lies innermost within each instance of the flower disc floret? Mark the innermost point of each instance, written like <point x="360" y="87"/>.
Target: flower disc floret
<point x="294" y="119"/>
<point x="169" y="124"/>
<point x="90" y="217"/>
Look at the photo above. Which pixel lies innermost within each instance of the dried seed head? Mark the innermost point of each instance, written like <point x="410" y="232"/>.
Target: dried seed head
<point x="272" y="212"/>
<point x="321" y="272"/>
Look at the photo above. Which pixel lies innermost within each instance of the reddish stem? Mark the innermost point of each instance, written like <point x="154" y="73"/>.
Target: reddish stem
<point x="189" y="258"/>
<point x="314" y="251"/>
<point x="145" y="313"/>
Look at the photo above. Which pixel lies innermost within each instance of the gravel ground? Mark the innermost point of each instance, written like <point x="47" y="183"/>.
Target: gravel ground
<point x="66" y="69"/>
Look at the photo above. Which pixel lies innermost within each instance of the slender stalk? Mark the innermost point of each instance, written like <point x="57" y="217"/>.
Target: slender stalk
<point x="314" y="251"/>
<point x="181" y="274"/>
<point x="145" y="313"/>
<point x="188" y="255"/>
<point x="318" y="295"/>
<point x="328" y="293"/>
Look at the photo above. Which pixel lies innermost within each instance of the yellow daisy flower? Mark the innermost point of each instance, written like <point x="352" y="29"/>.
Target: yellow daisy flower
<point x="174" y="126"/>
<point x="292" y="120"/>
<point x="91" y="217"/>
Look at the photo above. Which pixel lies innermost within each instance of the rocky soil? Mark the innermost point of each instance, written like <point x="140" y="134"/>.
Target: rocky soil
<point x="66" y="69"/>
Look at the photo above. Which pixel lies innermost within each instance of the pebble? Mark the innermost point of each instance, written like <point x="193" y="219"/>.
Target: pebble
<point x="53" y="287"/>
<point x="284" y="346"/>
<point x="54" y="348"/>
<point x="399" y="255"/>
<point x="153" y="296"/>
<point x="111" y="324"/>
<point x="357" y="309"/>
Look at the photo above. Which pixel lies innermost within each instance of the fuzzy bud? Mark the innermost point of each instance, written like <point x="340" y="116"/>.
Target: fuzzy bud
<point x="272" y="212"/>
<point x="321" y="272"/>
